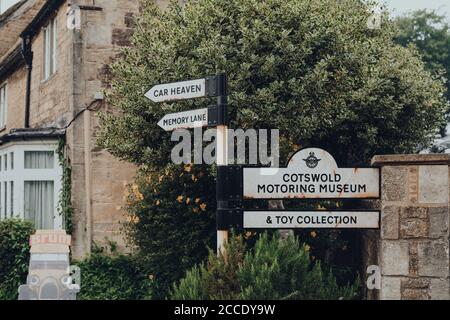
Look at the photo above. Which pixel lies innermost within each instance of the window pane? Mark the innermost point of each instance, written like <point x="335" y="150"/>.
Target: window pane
<point x="54" y="44"/>
<point x="3" y="102"/>
<point x="39" y="159"/>
<point x="38" y="202"/>
<point x="11" y="202"/>
<point x="5" y="161"/>
<point x="11" y="157"/>
<point x="46" y="53"/>
<point x="5" y="198"/>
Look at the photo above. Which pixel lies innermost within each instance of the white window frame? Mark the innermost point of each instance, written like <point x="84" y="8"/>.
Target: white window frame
<point x="19" y="175"/>
<point x="3" y="104"/>
<point x="50" y="48"/>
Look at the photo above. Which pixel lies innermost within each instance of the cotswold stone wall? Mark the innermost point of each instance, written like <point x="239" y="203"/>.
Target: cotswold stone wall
<point x="413" y="253"/>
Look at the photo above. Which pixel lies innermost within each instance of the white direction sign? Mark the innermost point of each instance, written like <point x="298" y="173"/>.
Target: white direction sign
<point x="311" y="219"/>
<point x="184" y="120"/>
<point x="311" y="173"/>
<point x="177" y="90"/>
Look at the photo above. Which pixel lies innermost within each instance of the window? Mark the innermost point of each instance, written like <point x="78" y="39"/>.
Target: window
<point x="11" y="195"/>
<point x="5" y="199"/>
<point x="39" y="159"/>
<point x="39" y="203"/>
<point x="50" y="48"/>
<point x="3" y="106"/>
<point x="30" y="187"/>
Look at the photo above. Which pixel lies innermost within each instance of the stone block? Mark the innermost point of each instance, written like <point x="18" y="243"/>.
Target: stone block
<point x="433" y="184"/>
<point x="433" y="258"/>
<point x="413" y="228"/>
<point x="415" y="283"/>
<point x="394" y="183"/>
<point x="389" y="222"/>
<point x="439" y="220"/>
<point x="415" y="294"/>
<point x="414" y="212"/>
<point x="394" y="257"/>
<point x="440" y="289"/>
<point x="390" y="288"/>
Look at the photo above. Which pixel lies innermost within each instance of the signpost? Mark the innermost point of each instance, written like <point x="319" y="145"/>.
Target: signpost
<point x="216" y="86"/>
<point x="311" y="174"/>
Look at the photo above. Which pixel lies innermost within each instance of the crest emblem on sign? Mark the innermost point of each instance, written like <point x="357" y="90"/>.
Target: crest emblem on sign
<point x="312" y="161"/>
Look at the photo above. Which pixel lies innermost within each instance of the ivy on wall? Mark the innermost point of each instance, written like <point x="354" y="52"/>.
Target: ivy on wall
<point x="65" y="197"/>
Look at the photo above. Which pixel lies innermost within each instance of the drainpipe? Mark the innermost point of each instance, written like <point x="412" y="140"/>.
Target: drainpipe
<point x="28" y="57"/>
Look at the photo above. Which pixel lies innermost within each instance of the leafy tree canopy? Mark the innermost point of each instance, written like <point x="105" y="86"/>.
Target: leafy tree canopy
<point x="313" y="69"/>
<point x="430" y="34"/>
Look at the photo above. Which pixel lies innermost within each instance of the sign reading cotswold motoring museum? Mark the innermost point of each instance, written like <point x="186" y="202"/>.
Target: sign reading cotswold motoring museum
<point x="311" y="174"/>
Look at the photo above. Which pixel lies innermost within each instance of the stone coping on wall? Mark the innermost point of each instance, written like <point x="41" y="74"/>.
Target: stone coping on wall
<point x="411" y="159"/>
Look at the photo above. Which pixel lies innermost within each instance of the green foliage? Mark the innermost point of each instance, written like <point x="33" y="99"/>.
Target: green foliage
<point x="429" y="33"/>
<point x="65" y="208"/>
<point x="274" y="269"/>
<point x="113" y="277"/>
<point x="171" y="221"/>
<point x="14" y="256"/>
<point x="309" y="68"/>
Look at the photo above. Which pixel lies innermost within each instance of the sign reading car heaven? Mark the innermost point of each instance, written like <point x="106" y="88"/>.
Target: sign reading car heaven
<point x="311" y="174"/>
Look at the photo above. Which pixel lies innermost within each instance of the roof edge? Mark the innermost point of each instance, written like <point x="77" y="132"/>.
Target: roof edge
<point x="47" y="9"/>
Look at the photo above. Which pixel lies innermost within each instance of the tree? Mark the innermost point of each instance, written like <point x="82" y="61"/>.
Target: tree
<point x="309" y="68"/>
<point x="429" y="33"/>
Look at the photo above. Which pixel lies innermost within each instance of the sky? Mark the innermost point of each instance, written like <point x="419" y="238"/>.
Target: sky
<point x="5" y="4"/>
<point x="399" y="7"/>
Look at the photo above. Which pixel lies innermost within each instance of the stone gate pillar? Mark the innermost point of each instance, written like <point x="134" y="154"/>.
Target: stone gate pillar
<point x="414" y="238"/>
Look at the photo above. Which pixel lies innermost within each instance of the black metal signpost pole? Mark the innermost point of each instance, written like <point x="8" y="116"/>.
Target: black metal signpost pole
<point x="222" y="162"/>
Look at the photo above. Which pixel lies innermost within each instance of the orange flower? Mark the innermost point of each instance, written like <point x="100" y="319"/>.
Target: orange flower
<point x="188" y="200"/>
<point x="313" y="234"/>
<point x="180" y="199"/>
<point x="203" y="206"/>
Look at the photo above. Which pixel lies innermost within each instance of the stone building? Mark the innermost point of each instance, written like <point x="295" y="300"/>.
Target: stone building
<point x="55" y="59"/>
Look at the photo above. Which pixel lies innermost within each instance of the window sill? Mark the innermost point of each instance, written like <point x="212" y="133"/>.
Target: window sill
<point x="45" y="81"/>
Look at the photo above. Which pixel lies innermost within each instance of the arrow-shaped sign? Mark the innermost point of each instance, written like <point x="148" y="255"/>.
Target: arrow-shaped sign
<point x="184" y="120"/>
<point x="177" y="90"/>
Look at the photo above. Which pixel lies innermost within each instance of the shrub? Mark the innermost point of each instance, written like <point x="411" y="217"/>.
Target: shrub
<point x="171" y="221"/>
<point x="14" y="256"/>
<point x="112" y="277"/>
<point x="274" y="269"/>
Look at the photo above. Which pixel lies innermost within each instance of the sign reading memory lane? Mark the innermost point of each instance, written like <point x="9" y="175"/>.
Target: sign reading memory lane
<point x="311" y="219"/>
<point x="177" y="90"/>
<point x="311" y="174"/>
<point x="184" y="120"/>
